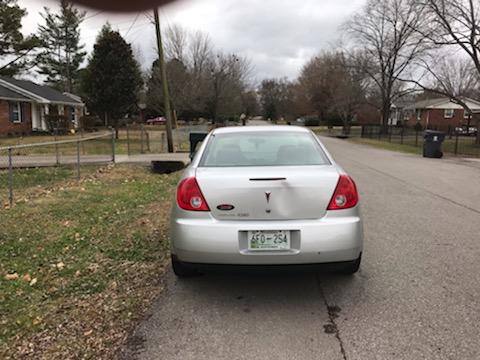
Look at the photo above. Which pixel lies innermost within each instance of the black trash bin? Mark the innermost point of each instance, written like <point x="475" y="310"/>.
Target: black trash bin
<point x="432" y="145"/>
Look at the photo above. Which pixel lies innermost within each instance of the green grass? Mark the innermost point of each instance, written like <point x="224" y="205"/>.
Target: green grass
<point x="27" y="178"/>
<point x="95" y="250"/>
<point x="392" y="146"/>
<point x="27" y="182"/>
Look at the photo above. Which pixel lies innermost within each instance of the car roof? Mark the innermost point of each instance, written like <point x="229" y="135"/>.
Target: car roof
<point x="267" y="128"/>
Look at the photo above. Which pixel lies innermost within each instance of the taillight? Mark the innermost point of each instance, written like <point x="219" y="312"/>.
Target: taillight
<point x="345" y="195"/>
<point x="190" y="197"/>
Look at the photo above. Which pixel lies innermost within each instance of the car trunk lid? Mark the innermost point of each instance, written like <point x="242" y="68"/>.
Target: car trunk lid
<point x="268" y="193"/>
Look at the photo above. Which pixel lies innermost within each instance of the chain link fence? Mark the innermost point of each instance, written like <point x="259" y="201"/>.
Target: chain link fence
<point x="49" y="159"/>
<point x="456" y="143"/>
<point x="26" y="166"/>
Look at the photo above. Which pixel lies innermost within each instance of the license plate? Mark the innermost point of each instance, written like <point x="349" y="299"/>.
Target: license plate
<point x="269" y="240"/>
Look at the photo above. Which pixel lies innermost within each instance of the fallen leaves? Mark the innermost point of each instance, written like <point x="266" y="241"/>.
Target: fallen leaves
<point x="26" y="277"/>
<point x="80" y="295"/>
<point x="11" y="277"/>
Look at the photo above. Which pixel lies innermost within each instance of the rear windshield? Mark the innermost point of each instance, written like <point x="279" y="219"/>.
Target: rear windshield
<point x="263" y="149"/>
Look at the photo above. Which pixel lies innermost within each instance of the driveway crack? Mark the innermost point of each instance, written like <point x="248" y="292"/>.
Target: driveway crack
<point x="332" y="327"/>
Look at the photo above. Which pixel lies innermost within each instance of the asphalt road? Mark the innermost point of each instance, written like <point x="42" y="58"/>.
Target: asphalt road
<point x="417" y="295"/>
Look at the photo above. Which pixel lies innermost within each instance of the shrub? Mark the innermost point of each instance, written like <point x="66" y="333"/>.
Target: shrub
<point x="88" y="122"/>
<point x="57" y="123"/>
<point x="312" y="121"/>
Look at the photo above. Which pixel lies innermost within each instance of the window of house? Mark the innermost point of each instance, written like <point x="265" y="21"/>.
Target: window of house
<point x="448" y="114"/>
<point x="71" y="112"/>
<point x="15" y="112"/>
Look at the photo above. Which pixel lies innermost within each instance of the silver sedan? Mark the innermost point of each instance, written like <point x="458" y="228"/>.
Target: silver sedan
<point x="263" y="196"/>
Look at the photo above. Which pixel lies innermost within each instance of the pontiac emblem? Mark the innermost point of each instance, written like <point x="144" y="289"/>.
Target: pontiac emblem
<point x="267" y="196"/>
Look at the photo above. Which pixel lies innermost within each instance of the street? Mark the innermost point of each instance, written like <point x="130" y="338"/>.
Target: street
<point x="417" y="295"/>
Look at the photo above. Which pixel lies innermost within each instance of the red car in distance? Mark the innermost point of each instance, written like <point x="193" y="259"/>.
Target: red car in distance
<point x="157" y="121"/>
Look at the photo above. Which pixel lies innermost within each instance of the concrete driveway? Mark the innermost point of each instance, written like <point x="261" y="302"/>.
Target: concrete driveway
<point x="416" y="297"/>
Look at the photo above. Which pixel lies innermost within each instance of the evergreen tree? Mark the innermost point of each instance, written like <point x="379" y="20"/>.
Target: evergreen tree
<point x="63" y="54"/>
<point x="15" y="49"/>
<point x="112" y="79"/>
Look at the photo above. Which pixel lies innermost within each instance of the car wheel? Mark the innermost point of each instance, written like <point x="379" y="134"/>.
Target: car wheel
<point x="182" y="271"/>
<point x="353" y="266"/>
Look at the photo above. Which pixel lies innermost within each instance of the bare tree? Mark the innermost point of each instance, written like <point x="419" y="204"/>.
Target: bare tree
<point x="451" y="25"/>
<point x="452" y="77"/>
<point x="176" y="42"/>
<point x="227" y="81"/>
<point x="277" y="99"/>
<point x="334" y="85"/>
<point x="201" y="81"/>
<point x="385" y="33"/>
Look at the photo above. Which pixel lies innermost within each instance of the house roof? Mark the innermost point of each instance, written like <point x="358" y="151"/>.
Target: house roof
<point x="40" y="93"/>
<point x="6" y="93"/>
<point x="445" y="103"/>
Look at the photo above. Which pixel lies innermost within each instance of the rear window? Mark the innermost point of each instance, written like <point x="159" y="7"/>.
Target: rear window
<point x="263" y="149"/>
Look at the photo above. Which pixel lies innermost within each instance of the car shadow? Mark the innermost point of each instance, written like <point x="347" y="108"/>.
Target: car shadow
<point x="268" y="287"/>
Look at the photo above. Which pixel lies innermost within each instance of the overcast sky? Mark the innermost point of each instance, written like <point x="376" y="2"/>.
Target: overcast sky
<point x="278" y="36"/>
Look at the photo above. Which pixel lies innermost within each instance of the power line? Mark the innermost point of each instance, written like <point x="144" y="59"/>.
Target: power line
<point x="133" y="23"/>
<point x="119" y="30"/>
<point x="93" y="15"/>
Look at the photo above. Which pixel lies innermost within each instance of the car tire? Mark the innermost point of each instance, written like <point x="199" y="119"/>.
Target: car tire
<point x="353" y="266"/>
<point x="182" y="271"/>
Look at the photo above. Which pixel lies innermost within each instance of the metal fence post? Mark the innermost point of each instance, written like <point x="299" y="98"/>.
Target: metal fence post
<point x="147" y="137"/>
<point x="456" y="144"/>
<point x="10" y="177"/>
<point x="113" y="145"/>
<point x="78" y="160"/>
<point x="57" y="158"/>
<point x="83" y="143"/>
<point x="141" y="139"/>
<point x="128" y="140"/>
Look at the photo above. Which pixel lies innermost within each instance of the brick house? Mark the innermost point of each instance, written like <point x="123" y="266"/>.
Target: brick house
<point x="25" y="105"/>
<point x="441" y="114"/>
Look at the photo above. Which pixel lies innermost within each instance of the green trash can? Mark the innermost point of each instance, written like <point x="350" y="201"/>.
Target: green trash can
<point x="432" y="144"/>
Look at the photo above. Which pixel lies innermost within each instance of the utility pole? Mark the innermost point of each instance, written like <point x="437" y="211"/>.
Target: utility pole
<point x="163" y="72"/>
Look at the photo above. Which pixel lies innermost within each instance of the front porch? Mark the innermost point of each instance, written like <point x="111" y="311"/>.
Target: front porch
<point x="40" y="113"/>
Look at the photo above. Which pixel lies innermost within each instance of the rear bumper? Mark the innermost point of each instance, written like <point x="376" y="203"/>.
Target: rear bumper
<point x="276" y="268"/>
<point x="337" y="237"/>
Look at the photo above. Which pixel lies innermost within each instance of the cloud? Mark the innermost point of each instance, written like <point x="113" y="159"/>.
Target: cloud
<point x="279" y="36"/>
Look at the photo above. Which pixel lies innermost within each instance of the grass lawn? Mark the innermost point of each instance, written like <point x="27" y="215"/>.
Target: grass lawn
<point x="393" y="146"/>
<point x="79" y="262"/>
<point x="34" y="181"/>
